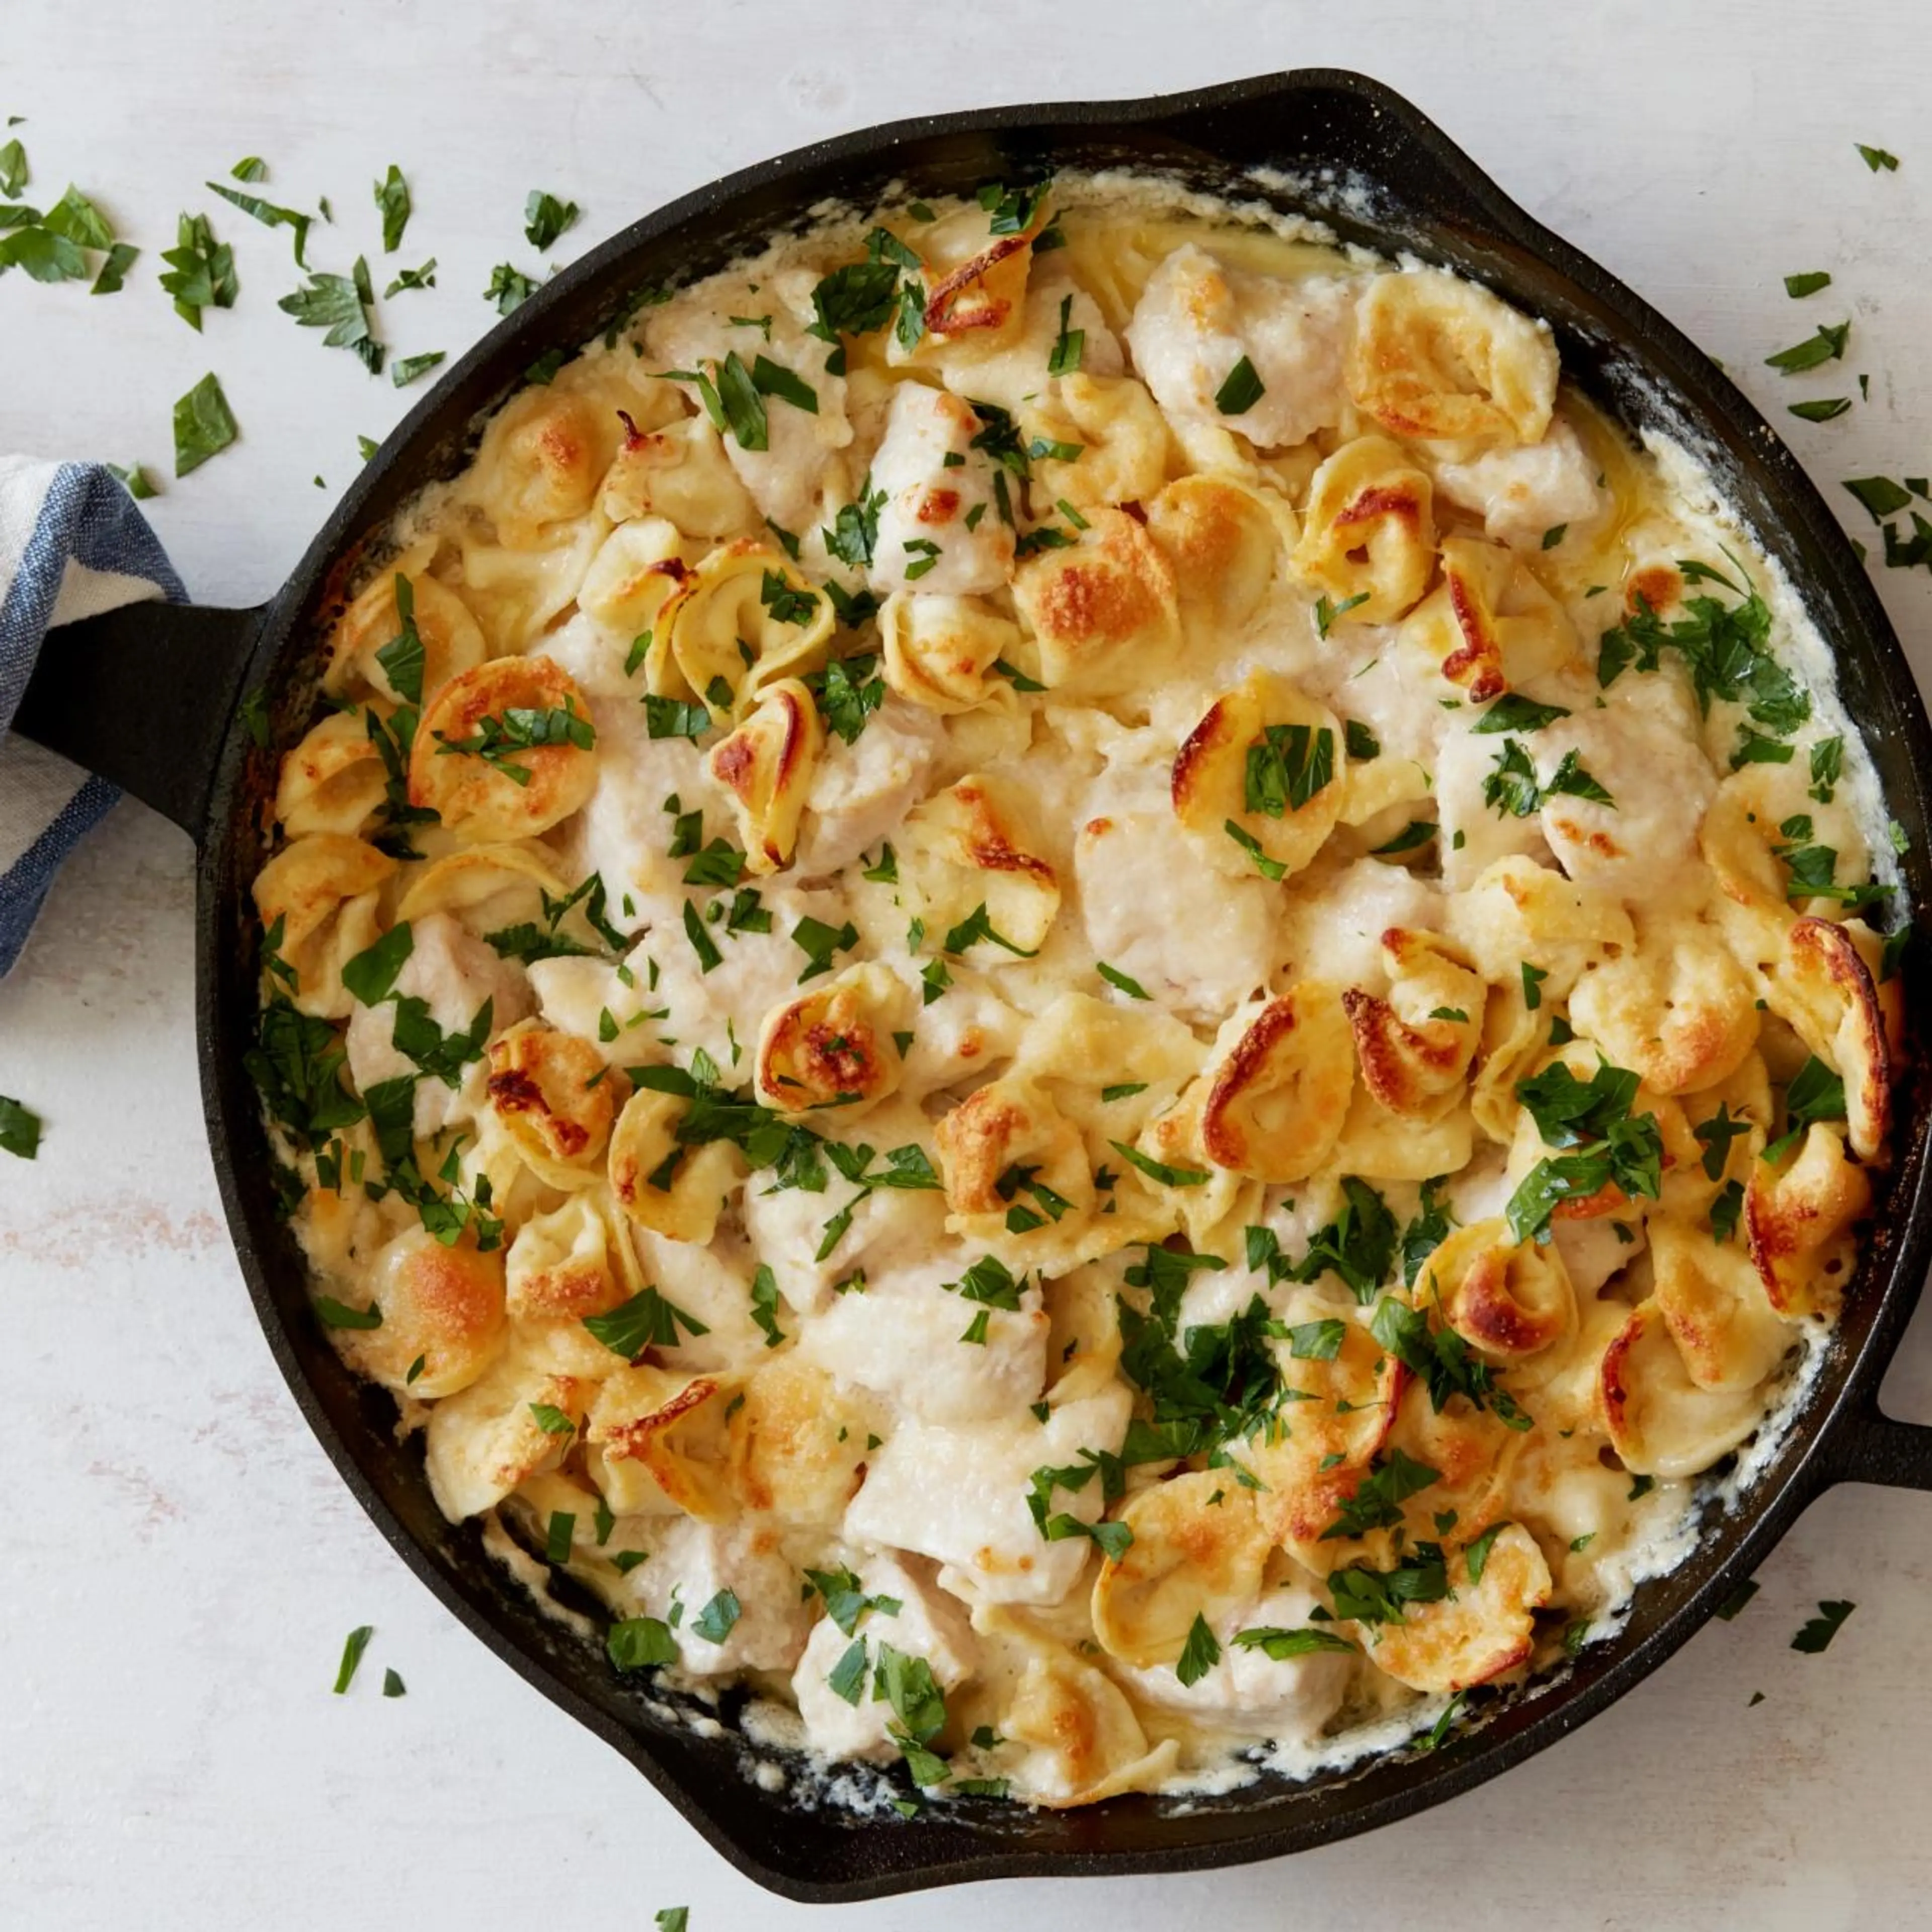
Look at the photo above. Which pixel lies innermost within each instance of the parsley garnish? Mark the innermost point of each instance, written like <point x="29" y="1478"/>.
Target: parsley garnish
<point x="204" y="425"/>
<point x="1513" y="789"/>
<point x="19" y="1130"/>
<point x="1512" y="712"/>
<point x="647" y="1320"/>
<point x="545" y="218"/>
<point x="1199" y="1654"/>
<point x="1241" y="389"/>
<point x="1825" y="345"/>
<point x="392" y="198"/>
<point x="1280" y="1644"/>
<point x="357" y="1642"/>
<point x="641" y="1643"/>
<point x="1287" y="765"/>
<point x="339" y="303"/>
<point x="201" y="273"/>
<point x="509" y="289"/>
<point x="265" y="212"/>
<point x="1068" y="345"/>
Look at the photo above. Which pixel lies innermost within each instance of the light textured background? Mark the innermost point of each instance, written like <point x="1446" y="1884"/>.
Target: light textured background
<point x="182" y="1563"/>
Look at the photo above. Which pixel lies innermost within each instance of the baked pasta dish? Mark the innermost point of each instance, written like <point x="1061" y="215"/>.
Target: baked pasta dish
<point x="1066" y="987"/>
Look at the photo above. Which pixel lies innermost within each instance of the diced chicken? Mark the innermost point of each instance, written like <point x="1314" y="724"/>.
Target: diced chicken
<point x="1475" y="833"/>
<point x="1526" y="492"/>
<point x="624" y="834"/>
<point x="927" y="1623"/>
<point x="901" y="1337"/>
<point x="1017" y="372"/>
<point x="924" y="525"/>
<point x="1341" y="943"/>
<point x="966" y="1032"/>
<point x="959" y="1495"/>
<point x="861" y="792"/>
<point x="687" y="1564"/>
<point x="1289" y="1701"/>
<point x="726" y="1006"/>
<point x="455" y="973"/>
<point x="1198" y="941"/>
<point x="1196" y="321"/>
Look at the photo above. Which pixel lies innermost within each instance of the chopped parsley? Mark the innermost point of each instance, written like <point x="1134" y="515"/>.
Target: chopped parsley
<point x="1824" y="345"/>
<point x="1287" y="765"/>
<point x="357" y="1642"/>
<point x="20" y="1129"/>
<point x="1199" y="1654"/>
<point x="1241" y="389"/>
<point x="392" y="198"/>
<point x="339" y="303"/>
<point x="545" y="218"/>
<point x="1513" y="788"/>
<point x="204" y="425"/>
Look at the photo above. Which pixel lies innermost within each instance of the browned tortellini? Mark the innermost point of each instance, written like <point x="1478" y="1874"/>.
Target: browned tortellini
<point x="334" y="781"/>
<point x="1007" y="1124"/>
<point x="766" y="766"/>
<point x="1798" y="1218"/>
<point x="325" y="891"/>
<point x="564" y="1267"/>
<point x="1659" y="1420"/>
<point x="798" y="1443"/>
<point x="1120" y="436"/>
<point x="1082" y="1741"/>
<point x="1223" y="541"/>
<point x="1511" y="1300"/>
<point x="1708" y="1293"/>
<point x="834" y="1046"/>
<point x="451" y="639"/>
<point x="486" y="1439"/>
<point x="742" y="621"/>
<point x="1824" y="987"/>
<point x="1679" y="1009"/>
<point x="1278" y="1088"/>
<point x="1189" y="1557"/>
<point x="1438" y="358"/>
<point x="672" y="1189"/>
<point x="1518" y="910"/>
<point x="1739" y="829"/>
<point x="940" y="652"/>
<point x="505" y="751"/>
<point x="976" y="281"/>
<point x="971" y="846"/>
<point x="542" y="458"/>
<point x="679" y="472"/>
<point x="1104" y="612"/>
<point x="548" y="1092"/>
<point x="442" y="1307"/>
<point x="1482" y="1630"/>
<point x="1267" y="758"/>
<point x="1415" y="1046"/>
<point x="1368" y="536"/>
<point x="1346" y="1410"/>
<point x="638" y="568"/>
<point x="1489" y="625"/>
<point x="660" y="1442"/>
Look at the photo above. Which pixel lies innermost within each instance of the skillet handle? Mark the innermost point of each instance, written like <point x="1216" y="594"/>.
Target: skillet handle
<point x="1873" y="1448"/>
<point x="144" y="696"/>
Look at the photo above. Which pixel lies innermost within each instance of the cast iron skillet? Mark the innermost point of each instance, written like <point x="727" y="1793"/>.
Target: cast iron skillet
<point x="149" y="697"/>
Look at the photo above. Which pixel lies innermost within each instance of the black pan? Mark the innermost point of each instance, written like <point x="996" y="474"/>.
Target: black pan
<point x="150" y="697"/>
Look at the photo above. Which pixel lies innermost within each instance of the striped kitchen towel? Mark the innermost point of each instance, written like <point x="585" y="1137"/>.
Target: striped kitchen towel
<point x="72" y="545"/>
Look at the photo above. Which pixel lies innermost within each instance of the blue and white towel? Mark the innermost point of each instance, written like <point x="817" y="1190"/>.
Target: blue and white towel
<point x="72" y="545"/>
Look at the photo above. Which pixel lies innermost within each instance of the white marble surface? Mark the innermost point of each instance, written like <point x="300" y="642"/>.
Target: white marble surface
<point x="184" y="1563"/>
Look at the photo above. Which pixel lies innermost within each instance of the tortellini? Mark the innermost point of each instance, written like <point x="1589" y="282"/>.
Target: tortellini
<point x="834" y="1046"/>
<point x="766" y="767"/>
<point x="1278" y="1088"/>
<point x="1490" y="626"/>
<point x="1224" y="542"/>
<point x="504" y="751"/>
<point x="942" y="653"/>
<point x="1368" y="536"/>
<point x="742" y="621"/>
<point x="319" y="898"/>
<point x="988" y="985"/>
<point x="1104" y="612"/>
<point x="1268" y="762"/>
<point x="1441" y="359"/>
<point x="970" y="849"/>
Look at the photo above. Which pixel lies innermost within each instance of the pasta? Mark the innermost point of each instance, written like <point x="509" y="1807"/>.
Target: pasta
<point x="1059" y="975"/>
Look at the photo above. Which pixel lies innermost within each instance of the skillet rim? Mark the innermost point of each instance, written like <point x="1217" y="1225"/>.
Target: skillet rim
<point x="1822" y="1444"/>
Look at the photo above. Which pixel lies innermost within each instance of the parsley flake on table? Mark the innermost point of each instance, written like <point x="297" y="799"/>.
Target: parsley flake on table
<point x="204" y="425"/>
<point x="545" y="218"/>
<point x="339" y="303"/>
<point x="356" y="1643"/>
<point x="392" y="200"/>
<point x="20" y="1129"/>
